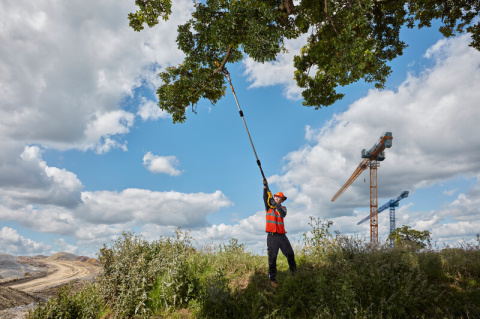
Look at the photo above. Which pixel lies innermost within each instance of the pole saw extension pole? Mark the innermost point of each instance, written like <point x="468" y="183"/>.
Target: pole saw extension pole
<point x="227" y="75"/>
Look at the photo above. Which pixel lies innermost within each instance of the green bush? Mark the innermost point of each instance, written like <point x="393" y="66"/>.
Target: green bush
<point x="133" y="267"/>
<point x="85" y="303"/>
<point x="337" y="277"/>
<point x="174" y="287"/>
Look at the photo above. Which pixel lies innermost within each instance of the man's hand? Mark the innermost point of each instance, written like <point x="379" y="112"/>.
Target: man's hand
<point x="265" y="184"/>
<point x="272" y="202"/>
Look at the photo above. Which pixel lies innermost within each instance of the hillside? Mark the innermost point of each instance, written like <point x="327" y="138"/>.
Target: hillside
<point x="10" y="268"/>
<point x="336" y="277"/>
<point x="27" y="280"/>
<point x="62" y="256"/>
<point x="12" y="298"/>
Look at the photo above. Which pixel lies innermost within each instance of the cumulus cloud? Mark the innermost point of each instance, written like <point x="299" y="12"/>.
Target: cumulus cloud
<point x="278" y="72"/>
<point x="144" y="206"/>
<point x="14" y="244"/>
<point x="429" y="144"/>
<point x="149" y="110"/>
<point x="66" y="247"/>
<point x="66" y="67"/>
<point x="104" y="215"/>
<point x="450" y="192"/>
<point x="161" y="164"/>
<point x="433" y="117"/>
<point x="250" y="230"/>
<point x="99" y="132"/>
<point x="25" y="179"/>
<point x="128" y="208"/>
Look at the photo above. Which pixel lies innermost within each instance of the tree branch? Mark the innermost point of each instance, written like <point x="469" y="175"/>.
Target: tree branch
<point x="287" y="6"/>
<point x="360" y="5"/>
<point x="220" y="68"/>
<point x="328" y="16"/>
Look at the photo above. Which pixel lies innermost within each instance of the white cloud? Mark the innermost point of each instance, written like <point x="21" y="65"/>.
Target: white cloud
<point x="250" y="230"/>
<point x="450" y="192"/>
<point x="65" y="247"/>
<point x="141" y="206"/>
<point x="162" y="164"/>
<point x="26" y="179"/>
<point x="433" y="117"/>
<point x="104" y="215"/>
<point x="429" y="143"/>
<point x="279" y="72"/>
<point x="103" y="127"/>
<point x="14" y="244"/>
<point x="104" y="211"/>
<point x="65" y="68"/>
<point x="149" y="110"/>
<point x="50" y="200"/>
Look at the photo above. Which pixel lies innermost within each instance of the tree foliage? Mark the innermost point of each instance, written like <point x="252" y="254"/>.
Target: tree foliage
<point x="410" y="238"/>
<point x="347" y="40"/>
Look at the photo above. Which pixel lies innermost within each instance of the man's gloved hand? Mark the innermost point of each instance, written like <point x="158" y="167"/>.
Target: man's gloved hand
<point x="272" y="202"/>
<point x="265" y="182"/>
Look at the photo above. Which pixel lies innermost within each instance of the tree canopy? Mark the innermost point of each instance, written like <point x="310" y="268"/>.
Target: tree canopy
<point x="410" y="238"/>
<point x="347" y="40"/>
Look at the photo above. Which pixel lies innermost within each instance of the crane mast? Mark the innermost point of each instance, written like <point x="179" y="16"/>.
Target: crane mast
<point x="371" y="159"/>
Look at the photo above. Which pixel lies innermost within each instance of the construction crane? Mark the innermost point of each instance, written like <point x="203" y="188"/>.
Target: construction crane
<point x="371" y="159"/>
<point x="392" y="204"/>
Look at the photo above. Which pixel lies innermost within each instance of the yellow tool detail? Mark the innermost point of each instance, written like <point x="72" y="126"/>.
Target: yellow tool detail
<point x="268" y="200"/>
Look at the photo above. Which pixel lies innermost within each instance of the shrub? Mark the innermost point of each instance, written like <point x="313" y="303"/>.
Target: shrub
<point x="175" y="286"/>
<point x="132" y="267"/>
<point x="86" y="303"/>
<point x="338" y="277"/>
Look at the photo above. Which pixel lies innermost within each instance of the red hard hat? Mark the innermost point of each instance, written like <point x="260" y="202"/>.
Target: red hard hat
<point x="280" y="194"/>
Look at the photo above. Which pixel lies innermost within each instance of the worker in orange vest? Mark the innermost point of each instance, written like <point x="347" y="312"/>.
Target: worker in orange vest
<point x="276" y="238"/>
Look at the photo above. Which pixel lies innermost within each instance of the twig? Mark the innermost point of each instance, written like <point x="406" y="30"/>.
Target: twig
<point x="360" y="5"/>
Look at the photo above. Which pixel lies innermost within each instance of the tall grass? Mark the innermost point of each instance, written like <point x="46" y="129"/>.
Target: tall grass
<point x="337" y="277"/>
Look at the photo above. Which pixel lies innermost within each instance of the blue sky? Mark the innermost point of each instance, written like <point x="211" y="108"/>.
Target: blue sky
<point x="87" y="154"/>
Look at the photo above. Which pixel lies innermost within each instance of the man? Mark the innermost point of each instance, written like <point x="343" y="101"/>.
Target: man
<point x="276" y="238"/>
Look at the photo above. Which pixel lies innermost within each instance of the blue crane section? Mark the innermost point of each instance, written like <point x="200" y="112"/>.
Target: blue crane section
<point x="391" y="204"/>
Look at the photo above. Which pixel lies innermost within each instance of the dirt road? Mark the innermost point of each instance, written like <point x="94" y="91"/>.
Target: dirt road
<point x="64" y="272"/>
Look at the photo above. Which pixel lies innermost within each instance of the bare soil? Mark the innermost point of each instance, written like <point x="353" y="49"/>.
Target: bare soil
<point x="19" y="295"/>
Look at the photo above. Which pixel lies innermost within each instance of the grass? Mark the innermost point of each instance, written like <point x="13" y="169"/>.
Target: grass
<point x="337" y="277"/>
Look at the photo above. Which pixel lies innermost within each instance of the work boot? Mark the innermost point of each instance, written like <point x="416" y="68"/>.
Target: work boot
<point x="273" y="284"/>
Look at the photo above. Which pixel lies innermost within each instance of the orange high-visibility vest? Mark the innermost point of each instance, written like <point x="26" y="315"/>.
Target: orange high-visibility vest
<point x="274" y="222"/>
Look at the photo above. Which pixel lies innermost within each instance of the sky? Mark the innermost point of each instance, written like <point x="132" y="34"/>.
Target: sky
<point x="86" y="154"/>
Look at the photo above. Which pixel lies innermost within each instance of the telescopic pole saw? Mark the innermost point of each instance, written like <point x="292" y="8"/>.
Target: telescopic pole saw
<point x="227" y="75"/>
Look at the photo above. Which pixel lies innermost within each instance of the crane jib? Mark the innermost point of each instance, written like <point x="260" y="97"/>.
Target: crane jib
<point x="391" y="203"/>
